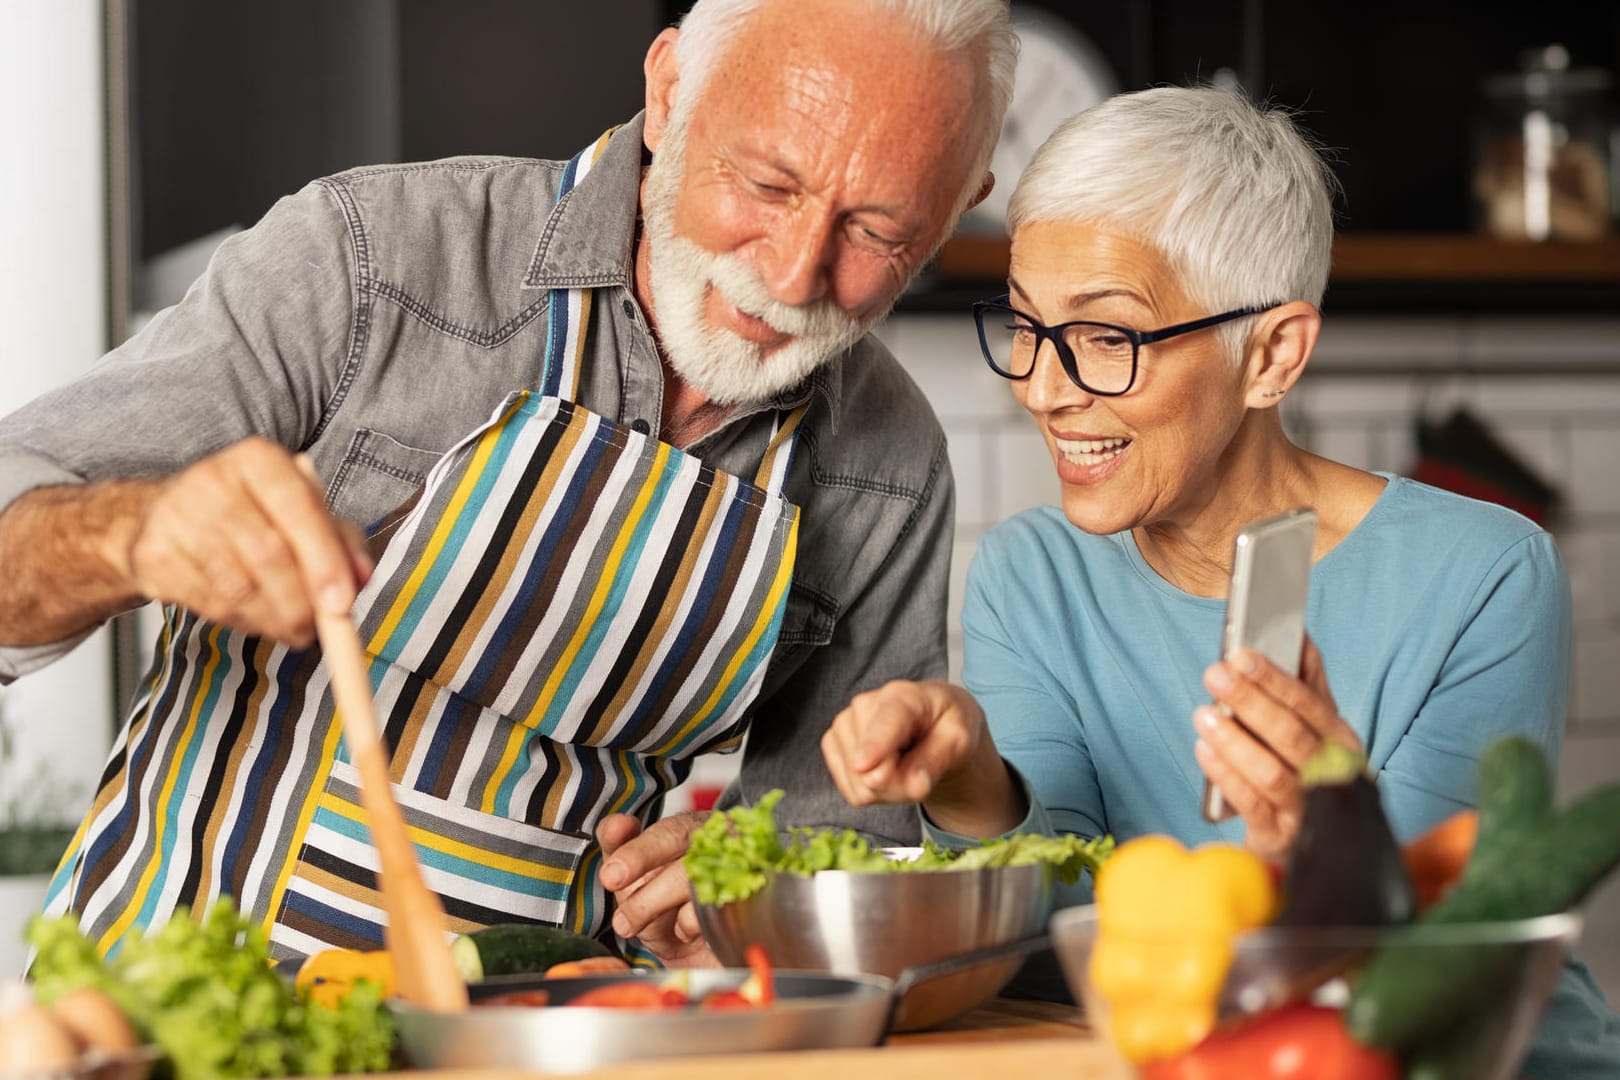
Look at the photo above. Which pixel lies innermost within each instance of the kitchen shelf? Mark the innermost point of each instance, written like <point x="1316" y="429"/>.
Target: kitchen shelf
<point x="1401" y="271"/>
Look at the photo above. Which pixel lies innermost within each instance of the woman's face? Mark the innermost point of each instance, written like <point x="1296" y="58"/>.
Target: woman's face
<point x="1156" y="453"/>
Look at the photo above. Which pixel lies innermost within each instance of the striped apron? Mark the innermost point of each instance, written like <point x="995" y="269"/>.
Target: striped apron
<point x="569" y="612"/>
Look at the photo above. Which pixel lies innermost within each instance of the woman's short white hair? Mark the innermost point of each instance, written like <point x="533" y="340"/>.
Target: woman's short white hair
<point x="1233" y="194"/>
<point x="948" y="25"/>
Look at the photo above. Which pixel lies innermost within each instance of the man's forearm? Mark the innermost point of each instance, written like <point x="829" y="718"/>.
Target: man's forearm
<point x="63" y="561"/>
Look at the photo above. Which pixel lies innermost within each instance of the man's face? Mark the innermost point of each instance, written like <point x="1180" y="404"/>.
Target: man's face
<point x="791" y="202"/>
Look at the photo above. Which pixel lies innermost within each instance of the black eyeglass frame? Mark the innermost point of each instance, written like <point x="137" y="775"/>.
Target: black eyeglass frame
<point x="1071" y="368"/>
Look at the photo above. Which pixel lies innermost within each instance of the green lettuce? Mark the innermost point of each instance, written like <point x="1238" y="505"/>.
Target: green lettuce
<point x="733" y="854"/>
<point x="204" y="991"/>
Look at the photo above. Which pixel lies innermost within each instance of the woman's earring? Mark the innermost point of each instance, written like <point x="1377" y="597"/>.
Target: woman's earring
<point x="1273" y="393"/>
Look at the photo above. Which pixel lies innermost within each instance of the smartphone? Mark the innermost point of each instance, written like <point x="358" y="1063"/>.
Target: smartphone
<point x="1265" y="606"/>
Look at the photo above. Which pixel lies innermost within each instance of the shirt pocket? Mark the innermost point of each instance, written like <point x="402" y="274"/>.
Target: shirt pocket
<point x="807" y="621"/>
<point x="379" y="474"/>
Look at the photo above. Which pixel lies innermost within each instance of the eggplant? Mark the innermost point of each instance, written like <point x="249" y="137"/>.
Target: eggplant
<point x="1344" y="870"/>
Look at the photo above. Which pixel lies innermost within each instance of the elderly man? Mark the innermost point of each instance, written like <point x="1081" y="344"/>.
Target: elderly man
<point x="632" y="483"/>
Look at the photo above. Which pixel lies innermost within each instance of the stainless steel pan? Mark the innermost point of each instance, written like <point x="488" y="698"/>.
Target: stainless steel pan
<point x="813" y="1010"/>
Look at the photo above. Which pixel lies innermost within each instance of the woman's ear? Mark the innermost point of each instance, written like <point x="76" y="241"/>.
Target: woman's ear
<point x="1278" y="351"/>
<point x="662" y="78"/>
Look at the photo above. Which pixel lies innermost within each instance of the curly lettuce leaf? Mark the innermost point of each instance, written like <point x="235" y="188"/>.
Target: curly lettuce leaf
<point x="733" y="854"/>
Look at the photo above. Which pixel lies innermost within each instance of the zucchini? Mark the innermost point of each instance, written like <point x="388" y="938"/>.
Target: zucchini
<point x="1529" y="861"/>
<point x="519" y="949"/>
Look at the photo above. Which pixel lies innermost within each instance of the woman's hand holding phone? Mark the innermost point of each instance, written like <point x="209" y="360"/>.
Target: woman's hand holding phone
<point x="1254" y="739"/>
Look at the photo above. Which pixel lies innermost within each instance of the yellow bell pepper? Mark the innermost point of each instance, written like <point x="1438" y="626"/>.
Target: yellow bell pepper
<point x="328" y="976"/>
<point x="1166" y="920"/>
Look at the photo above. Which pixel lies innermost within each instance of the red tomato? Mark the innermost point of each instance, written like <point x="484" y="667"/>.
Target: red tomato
<point x="726" y="1000"/>
<point x="632" y="995"/>
<point x="517" y="997"/>
<point x="761" y="985"/>
<point x="1298" y="1042"/>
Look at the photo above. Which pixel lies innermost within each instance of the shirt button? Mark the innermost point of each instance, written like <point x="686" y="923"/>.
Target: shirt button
<point x="640" y="427"/>
<point x="629" y="307"/>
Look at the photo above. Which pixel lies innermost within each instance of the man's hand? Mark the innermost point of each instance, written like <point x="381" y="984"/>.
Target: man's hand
<point x="1254" y="752"/>
<point x="643" y="870"/>
<point x="909" y="742"/>
<point x="243" y="538"/>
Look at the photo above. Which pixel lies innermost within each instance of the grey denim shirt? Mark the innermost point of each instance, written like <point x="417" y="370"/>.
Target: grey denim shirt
<point x="376" y="316"/>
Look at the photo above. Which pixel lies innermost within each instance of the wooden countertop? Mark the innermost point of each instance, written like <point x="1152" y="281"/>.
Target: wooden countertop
<point x="1005" y="1038"/>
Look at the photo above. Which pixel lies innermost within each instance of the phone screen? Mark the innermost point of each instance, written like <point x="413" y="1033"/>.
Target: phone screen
<point x="1265" y="607"/>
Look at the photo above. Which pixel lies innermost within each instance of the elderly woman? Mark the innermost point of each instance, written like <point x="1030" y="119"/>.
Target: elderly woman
<point x="1170" y="249"/>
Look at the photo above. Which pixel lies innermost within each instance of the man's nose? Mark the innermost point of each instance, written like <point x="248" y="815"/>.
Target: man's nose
<point x="798" y="261"/>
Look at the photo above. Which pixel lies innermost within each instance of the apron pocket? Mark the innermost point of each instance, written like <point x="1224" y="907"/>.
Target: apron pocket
<point x="487" y="869"/>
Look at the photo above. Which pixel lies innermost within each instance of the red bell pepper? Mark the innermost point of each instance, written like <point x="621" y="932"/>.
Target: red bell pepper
<point x="760" y="987"/>
<point x="638" y="994"/>
<point x="1297" y="1042"/>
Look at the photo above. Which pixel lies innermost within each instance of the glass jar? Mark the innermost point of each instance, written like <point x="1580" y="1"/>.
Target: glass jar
<point x="1542" y="159"/>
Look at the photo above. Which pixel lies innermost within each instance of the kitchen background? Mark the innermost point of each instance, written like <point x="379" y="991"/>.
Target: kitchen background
<point x="137" y="133"/>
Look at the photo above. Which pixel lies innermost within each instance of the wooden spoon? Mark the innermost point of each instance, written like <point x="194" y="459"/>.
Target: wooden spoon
<point x="418" y="933"/>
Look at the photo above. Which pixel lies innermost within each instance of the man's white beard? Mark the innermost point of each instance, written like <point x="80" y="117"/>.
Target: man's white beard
<point x="723" y="366"/>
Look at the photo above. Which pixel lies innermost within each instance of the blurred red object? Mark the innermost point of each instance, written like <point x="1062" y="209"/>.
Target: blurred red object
<point x="704" y="798"/>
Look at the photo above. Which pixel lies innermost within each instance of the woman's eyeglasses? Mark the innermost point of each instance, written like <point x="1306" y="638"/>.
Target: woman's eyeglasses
<point x="1099" y="358"/>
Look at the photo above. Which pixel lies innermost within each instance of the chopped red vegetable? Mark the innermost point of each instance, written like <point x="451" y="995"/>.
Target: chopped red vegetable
<point x="636" y="994"/>
<point x="1298" y="1042"/>
<point x="760" y="988"/>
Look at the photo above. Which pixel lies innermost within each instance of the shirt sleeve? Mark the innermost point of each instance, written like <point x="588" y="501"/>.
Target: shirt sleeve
<point x="894" y="629"/>
<point x="1507" y="673"/>
<point x="257" y="347"/>
<point x="1034" y="720"/>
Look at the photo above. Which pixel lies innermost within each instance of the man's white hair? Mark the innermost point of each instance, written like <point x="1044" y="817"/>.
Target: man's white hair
<point x="949" y="26"/>
<point x="1233" y="194"/>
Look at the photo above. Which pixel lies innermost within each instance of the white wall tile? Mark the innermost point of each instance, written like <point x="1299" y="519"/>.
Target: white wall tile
<point x="1595" y="695"/>
<point x="941" y="353"/>
<point x="1594" y="472"/>
<point x="1388" y="339"/>
<point x="1592" y="557"/>
<point x="1023" y="472"/>
<point x="967" y="451"/>
<point x="1547" y="337"/>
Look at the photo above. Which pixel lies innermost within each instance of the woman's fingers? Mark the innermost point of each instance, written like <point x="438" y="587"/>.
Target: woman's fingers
<point x="892" y="745"/>
<point x="1270" y="778"/>
<point x="1288" y="714"/>
<point x="1270" y="828"/>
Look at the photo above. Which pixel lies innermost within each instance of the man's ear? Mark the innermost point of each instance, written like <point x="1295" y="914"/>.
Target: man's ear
<point x="1279" y="348"/>
<point x="984" y="191"/>
<point x="662" y="79"/>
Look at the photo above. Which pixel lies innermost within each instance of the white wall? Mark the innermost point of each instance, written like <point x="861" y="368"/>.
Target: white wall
<point x="1565" y="426"/>
<point x="52" y="299"/>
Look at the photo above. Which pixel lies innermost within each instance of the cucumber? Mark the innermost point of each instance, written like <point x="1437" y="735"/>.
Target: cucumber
<point x="1528" y="861"/>
<point x="519" y="949"/>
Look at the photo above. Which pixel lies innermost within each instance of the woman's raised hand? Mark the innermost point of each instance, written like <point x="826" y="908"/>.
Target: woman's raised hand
<point x="1260" y="731"/>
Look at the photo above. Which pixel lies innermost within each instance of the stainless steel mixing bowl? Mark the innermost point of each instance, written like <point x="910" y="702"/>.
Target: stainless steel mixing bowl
<point x="884" y="924"/>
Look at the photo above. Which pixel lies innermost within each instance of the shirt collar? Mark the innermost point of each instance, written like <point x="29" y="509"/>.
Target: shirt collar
<point x="589" y="237"/>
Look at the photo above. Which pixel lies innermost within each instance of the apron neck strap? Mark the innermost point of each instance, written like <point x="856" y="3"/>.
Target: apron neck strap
<point x="569" y="313"/>
<point x="773" y="467"/>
